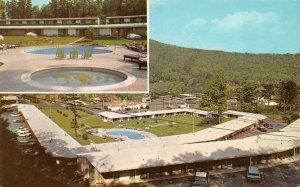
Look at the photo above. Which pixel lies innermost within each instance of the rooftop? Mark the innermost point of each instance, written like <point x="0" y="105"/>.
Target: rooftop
<point x="133" y="16"/>
<point x="53" y="138"/>
<point x="143" y="157"/>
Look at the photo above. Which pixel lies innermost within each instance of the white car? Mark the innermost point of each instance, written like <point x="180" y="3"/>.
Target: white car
<point x="133" y="36"/>
<point x="253" y="173"/>
<point x="23" y="131"/>
<point x="24" y="134"/>
<point x="201" y="179"/>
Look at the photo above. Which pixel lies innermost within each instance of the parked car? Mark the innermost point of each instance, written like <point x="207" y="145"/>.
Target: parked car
<point x="253" y="173"/>
<point x="201" y="178"/>
<point x="262" y="129"/>
<point x="133" y="36"/>
<point x="268" y="126"/>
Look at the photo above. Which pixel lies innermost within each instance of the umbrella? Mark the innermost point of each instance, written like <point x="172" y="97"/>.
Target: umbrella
<point x="31" y="34"/>
<point x="1" y="37"/>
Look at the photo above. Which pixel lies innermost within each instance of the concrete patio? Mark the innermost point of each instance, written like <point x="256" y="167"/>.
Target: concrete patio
<point x="17" y="62"/>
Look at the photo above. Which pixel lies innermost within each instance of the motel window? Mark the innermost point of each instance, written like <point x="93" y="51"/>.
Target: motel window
<point x="183" y="169"/>
<point x="116" y="175"/>
<point x="170" y="170"/>
<point x="132" y="174"/>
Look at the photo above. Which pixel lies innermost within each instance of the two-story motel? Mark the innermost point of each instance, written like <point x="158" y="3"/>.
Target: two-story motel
<point x="111" y="26"/>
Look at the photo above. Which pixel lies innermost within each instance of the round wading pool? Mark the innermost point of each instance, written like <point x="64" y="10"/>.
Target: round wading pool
<point x="78" y="79"/>
<point x="80" y="50"/>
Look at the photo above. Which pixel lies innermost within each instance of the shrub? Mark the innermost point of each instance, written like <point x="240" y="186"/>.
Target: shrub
<point x="85" y="136"/>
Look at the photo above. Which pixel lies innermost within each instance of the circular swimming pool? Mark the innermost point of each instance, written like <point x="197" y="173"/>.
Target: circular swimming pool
<point x="128" y="134"/>
<point x="78" y="79"/>
<point x="67" y="49"/>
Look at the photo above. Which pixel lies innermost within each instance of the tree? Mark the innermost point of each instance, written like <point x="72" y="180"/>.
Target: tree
<point x="215" y="91"/>
<point x="246" y="95"/>
<point x="288" y="94"/>
<point x="91" y="33"/>
<point x="268" y="91"/>
<point x="2" y="8"/>
<point x="72" y="100"/>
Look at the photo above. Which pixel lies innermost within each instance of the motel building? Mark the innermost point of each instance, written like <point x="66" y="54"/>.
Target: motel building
<point x="126" y="106"/>
<point x="110" y="116"/>
<point x="137" y="161"/>
<point x="118" y="26"/>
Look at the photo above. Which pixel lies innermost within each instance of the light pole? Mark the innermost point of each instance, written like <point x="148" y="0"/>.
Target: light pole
<point x="194" y="121"/>
<point x="117" y="34"/>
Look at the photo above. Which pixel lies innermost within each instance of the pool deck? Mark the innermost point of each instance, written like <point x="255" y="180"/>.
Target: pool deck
<point x="18" y="63"/>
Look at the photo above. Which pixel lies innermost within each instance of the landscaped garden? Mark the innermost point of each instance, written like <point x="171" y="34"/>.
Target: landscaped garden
<point x="162" y="126"/>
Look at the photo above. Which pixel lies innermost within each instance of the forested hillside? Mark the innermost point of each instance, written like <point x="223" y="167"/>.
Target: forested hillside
<point x="18" y="9"/>
<point x="176" y="69"/>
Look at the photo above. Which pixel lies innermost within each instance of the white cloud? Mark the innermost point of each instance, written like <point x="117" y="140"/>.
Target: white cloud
<point x="198" y="22"/>
<point x="243" y="19"/>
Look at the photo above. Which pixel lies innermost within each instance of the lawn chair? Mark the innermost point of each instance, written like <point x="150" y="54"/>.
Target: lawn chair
<point x="73" y="54"/>
<point x="88" y="54"/>
<point x="4" y="49"/>
<point x="60" y="54"/>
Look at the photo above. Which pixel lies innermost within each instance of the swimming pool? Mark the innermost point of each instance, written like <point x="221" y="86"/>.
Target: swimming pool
<point x="80" y="49"/>
<point x="130" y="134"/>
<point x="78" y="77"/>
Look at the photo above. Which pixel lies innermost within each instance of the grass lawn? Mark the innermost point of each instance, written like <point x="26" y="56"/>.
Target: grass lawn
<point x="163" y="126"/>
<point x="39" y="41"/>
<point x="109" y="42"/>
<point x="167" y="126"/>
<point x="89" y="120"/>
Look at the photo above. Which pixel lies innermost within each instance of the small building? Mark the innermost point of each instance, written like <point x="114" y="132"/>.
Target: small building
<point x="126" y="106"/>
<point x="10" y="99"/>
<point x="188" y="96"/>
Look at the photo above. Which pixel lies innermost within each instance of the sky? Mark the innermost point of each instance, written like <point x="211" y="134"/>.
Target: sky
<point x="253" y="26"/>
<point x="40" y="2"/>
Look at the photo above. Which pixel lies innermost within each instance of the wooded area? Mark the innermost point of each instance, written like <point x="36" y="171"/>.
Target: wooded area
<point x="20" y="9"/>
<point x="177" y="70"/>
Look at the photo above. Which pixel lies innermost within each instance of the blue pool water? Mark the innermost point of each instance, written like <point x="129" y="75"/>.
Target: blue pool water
<point x="129" y="134"/>
<point x="80" y="49"/>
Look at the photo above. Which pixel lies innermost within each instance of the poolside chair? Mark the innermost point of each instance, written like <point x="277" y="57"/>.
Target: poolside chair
<point x="132" y="57"/>
<point x="60" y="54"/>
<point x="88" y="54"/>
<point x="73" y="54"/>
<point x="143" y="63"/>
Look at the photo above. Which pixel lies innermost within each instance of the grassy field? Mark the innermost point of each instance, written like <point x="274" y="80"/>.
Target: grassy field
<point x="110" y="42"/>
<point x="39" y="41"/>
<point x="27" y="41"/>
<point x="65" y="123"/>
<point x="163" y="126"/>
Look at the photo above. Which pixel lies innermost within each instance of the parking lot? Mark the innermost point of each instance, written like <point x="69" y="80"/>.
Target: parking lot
<point x="280" y="176"/>
<point x="286" y="175"/>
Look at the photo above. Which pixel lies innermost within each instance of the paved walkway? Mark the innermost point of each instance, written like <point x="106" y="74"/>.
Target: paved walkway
<point x="18" y="63"/>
